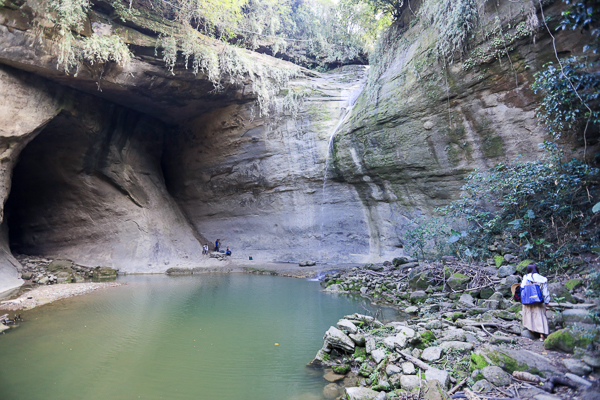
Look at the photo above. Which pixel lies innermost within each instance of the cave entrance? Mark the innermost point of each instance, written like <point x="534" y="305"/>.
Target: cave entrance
<point x="44" y="191"/>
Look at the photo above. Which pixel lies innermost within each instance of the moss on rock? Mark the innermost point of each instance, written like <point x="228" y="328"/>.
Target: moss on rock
<point x="566" y="340"/>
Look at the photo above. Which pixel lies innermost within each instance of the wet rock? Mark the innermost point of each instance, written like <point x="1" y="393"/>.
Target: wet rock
<point x="408" y="368"/>
<point x="333" y="377"/>
<point x="434" y="374"/>
<point x="496" y="376"/>
<point x="576" y="366"/>
<point x="360" y="393"/>
<point x="331" y="391"/>
<point x="338" y="339"/>
<point x="481" y="386"/>
<point x="347" y="326"/>
<point x="432" y="354"/>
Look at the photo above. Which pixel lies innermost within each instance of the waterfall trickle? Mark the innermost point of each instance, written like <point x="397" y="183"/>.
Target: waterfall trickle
<point x="343" y="116"/>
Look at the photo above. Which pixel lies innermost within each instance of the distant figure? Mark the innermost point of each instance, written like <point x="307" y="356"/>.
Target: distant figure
<point x="205" y="249"/>
<point x="228" y="252"/>
<point x="217" y="244"/>
<point x="534" y="315"/>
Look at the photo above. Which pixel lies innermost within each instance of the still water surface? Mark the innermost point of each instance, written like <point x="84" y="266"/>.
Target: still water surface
<point x="203" y="337"/>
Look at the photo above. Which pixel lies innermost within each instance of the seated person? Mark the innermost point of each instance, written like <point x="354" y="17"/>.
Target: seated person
<point x="228" y="252"/>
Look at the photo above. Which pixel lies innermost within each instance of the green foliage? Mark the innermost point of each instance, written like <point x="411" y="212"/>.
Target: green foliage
<point x="103" y="49"/>
<point x="318" y="34"/>
<point x="541" y="208"/>
<point x="125" y="12"/>
<point x="561" y="110"/>
<point x="392" y="8"/>
<point x="455" y="22"/>
<point x="585" y="16"/>
<point x="427" y="237"/>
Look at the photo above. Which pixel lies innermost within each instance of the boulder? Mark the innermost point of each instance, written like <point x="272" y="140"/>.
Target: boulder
<point x="453" y="335"/>
<point x="511" y="360"/>
<point x="573" y="284"/>
<point x="409" y="382"/>
<point x="434" y="324"/>
<point x="466" y="301"/>
<point x="559" y="290"/>
<point x="408" y="368"/>
<point x="378" y="355"/>
<point x="505" y="283"/>
<point x="496" y="376"/>
<point x="457" y="346"/>
<point x="58" y="265"/>
<point x="506" y="270"/>
<point x="370" y="345"/>
<point x="392" y="369"/>
<point x="374" y="267"/>
<point x="434" y="391"/>
<point x="418" y="296"/>
<point x="360" y="393"/>
<point x="411" y="310"/>
<point x="333" y="377"/>
<point x="458" y="281"/>
<point x="402" y="260"/>
<point x="347" y="326"/>
<point x="431" y="354"/>
<point x="390" y="342"/>
<point x="510" y="258"/>
<point x="381" y="396"/>
<point x="104" y="273"/>
<point x="331" y="391"/>
<point x="434" y="374"/>
<point x="339" y="340"/>
<point x="482" y="386"/>
<point x="306" y="263"/>
<point x="26" y="276"/>
<point x="577" y="367"/>
<point x="358" y="339"/>
<point x="593" y="360"/>
<point x="418" y="279"/>
<point x="576" y="316"/>
<point x="566" y="340"/>
<point x="485" y="293"/>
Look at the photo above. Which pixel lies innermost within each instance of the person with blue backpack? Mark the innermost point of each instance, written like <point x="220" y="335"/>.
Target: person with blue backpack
<point x="535" y="297"/>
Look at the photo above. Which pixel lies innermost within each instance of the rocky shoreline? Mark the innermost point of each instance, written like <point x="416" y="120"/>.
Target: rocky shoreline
<point x="459" y="334"/>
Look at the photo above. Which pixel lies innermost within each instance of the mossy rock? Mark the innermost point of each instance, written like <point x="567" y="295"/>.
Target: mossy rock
<point x="365" y="369"/>
<point x="498" y="260"/>
<point x="573" y="284"/>
<point x="522" y="266"/>
<point x="104" y="273"/>
<point x="487" y="292"/>
<point x="425" y="340"/>
<point x="459" y="281"/>
<point x="57" y="265"/>
<point x="341" y="369"/>
<point x="511" y="360"/>
<point x="566" y="340"/>
<point x="360" y="352"/>
<point x="418" y="280"/>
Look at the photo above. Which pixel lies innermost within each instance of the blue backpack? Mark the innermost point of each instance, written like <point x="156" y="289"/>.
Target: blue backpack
<point x="531" y="294"/>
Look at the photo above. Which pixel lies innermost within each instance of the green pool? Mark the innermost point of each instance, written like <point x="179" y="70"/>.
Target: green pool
<point x="204" y="337"/>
